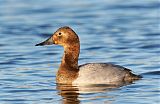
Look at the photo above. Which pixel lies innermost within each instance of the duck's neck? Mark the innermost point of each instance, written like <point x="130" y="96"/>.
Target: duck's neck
<point x="70" y="58"/>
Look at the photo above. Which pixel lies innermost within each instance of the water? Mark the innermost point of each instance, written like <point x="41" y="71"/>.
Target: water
<point x="117" y="31"/>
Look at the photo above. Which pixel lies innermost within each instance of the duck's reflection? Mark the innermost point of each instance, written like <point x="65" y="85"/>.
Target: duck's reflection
<point x="70" y="94"/>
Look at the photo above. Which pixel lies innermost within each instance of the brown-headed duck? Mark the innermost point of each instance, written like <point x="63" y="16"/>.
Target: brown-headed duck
<point x="91" y="73"/>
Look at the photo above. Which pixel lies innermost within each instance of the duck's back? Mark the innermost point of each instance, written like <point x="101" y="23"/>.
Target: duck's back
<point x="103" y="73"/>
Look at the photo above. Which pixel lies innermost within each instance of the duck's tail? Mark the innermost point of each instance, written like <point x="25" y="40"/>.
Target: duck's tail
<point x="130" y="76"/>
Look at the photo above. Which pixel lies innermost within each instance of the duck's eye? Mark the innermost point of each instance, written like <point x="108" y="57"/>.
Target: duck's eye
<point x="59" y="34"/>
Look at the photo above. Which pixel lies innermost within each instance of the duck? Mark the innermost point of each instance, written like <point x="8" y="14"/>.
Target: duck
<point x="70" y="72"/>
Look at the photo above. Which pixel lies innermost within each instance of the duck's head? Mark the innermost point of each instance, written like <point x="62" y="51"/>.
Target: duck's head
<point x="64" y="36"/>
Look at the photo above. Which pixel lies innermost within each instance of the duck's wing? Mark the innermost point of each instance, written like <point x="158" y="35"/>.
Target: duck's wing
<point x="104" y="73"/>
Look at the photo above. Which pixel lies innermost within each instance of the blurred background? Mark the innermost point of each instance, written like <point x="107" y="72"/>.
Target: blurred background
<point x="123" y="32"/>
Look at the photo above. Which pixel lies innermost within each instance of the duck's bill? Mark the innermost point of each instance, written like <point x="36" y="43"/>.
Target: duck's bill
<point x="49" y="41"/>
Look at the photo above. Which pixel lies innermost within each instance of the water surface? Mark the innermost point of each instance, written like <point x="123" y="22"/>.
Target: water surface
<point x="121" y="32"/>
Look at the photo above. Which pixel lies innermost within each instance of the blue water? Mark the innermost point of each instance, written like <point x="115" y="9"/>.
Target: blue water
<point x="123" y="32"/>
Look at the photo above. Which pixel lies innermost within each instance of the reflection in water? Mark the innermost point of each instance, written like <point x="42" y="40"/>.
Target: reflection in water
<point x="70" y="94"/>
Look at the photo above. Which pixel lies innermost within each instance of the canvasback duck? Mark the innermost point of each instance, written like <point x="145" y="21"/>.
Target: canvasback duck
<point x="91" y="73"/>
